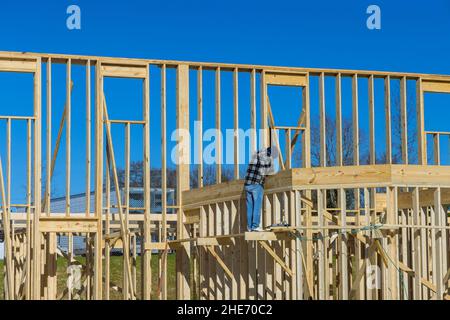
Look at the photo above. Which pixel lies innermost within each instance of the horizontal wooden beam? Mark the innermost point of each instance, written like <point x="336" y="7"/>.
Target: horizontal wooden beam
<point x="132" y="217"/>
<point x="18" y="65"/>
<point x="215" y="241"/>
<point x="436" y="86"/>
<point x="426" y="198"/>
<point x="267" y="235"/>
<point x="82" y="59"/>
<point x="380" y="175"/>
<point x="121" y="71"/>
<point x="285" y="79"/>
<point x="68" y="225"/>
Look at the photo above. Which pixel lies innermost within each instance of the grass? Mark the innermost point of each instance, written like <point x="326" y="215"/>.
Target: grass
<point x="116" y="273"/>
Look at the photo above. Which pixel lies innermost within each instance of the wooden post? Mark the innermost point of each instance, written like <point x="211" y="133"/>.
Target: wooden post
<point x="343" y="256"/>
<point x="9" y="285"/>
<point x="88" y="138"/>
<point x="200" y="125"/>
<point x="437" y="244"/>
<point x="323" y="142"/>
<point x="68" y="132"/>
<point x="339" y="142"/>
<point x="416" y="252"/>
<point x="37" y="183"/>
<point x="404" y="120"/>
<point x="355" y="117"/>
<point x="236" y="121"/>
<point x="163" y="272"/>
<point x="98" y="181"/>
<point x="391" y="194"/>
<point x="387" y="106"/>
<point x="147" y="272"/>
<point x="253" y="143"/>
<point x="264" y="112"/>
<point x="49" y="137"/>
<point x="218" y="127"/>
<point x="372" y="154"/>
<point x="421" y="136"/>
<point x="183" y="252"/>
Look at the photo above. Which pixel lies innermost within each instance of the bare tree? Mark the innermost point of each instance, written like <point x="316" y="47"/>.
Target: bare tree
<point x="331" y="142"/>
<point x="136" y="175"/>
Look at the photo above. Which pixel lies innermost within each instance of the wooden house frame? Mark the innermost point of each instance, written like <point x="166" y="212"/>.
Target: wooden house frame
<point x="391" y="243"/>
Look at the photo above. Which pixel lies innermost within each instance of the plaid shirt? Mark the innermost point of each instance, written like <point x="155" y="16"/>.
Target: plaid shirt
<point x="258" y="168"/>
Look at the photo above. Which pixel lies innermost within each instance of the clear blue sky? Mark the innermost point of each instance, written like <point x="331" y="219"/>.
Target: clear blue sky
<point x="414" y="35"/>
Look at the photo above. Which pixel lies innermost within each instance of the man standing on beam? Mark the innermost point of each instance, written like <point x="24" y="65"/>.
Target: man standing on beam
<point x="261" y="164"/>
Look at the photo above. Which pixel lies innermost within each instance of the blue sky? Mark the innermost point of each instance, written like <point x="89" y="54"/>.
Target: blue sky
<point x="414" y="36"/>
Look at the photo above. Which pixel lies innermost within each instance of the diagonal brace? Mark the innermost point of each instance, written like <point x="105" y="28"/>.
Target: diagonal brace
<point x="220" y="261"/>
<point x="276" y="257"/>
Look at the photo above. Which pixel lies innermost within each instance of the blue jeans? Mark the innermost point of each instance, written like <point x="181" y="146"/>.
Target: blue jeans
<point x="254" y="196"/>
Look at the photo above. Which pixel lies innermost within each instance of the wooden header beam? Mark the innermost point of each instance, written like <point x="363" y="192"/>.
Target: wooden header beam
<point x="328" y="177"/>
<point x="82" y="59"/>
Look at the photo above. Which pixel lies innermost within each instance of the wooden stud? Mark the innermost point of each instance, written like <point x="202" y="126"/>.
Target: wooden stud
<point x="306" y="137"/>
<point x="437" y="244"/>
<point x="68" y="133"/>
<point x="164" y="172"/>
<point x="421" y="136"/>
<point x="264" y="139"/>
<point x="218" y="128"/>
<point x="88" y="139"/>
<point x="339" y="141"/>
<point x="343" y="258"/>
<point x="436" y="149"/>
<point x="200" y="125"/>
<point x="147" y="271"/>
<point x="49" y="137"/>
<point x="404" y="121"/>
<point x="323" y="150"/>
<point x="9" y="287"/>
<point x="253" y="112"/>
<point x="37" y="182"/>
<point x="372" y="154"/>
<point x="387" y="106"/>
<point x="28" y="214"/>
<point x="236" y="121"/>
<point x="355" y="117"/>
<point x="183" y="274"/>
<point x="99" y="117"/>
